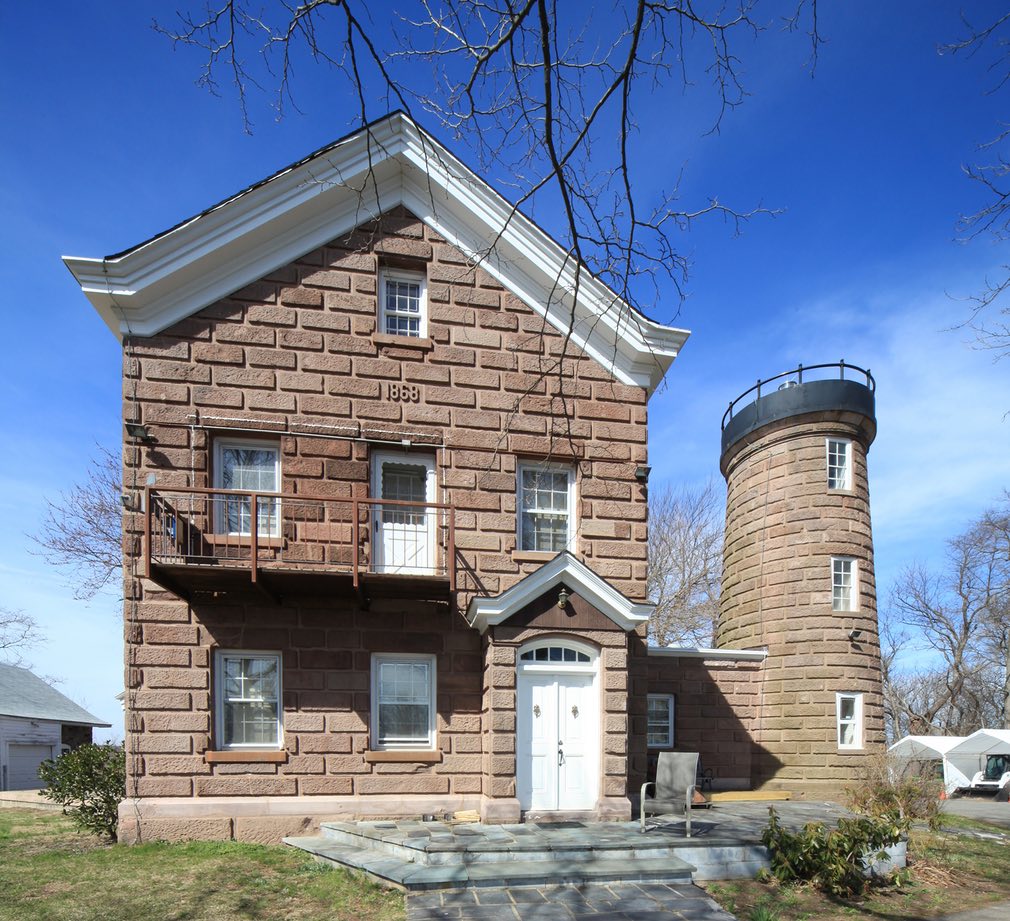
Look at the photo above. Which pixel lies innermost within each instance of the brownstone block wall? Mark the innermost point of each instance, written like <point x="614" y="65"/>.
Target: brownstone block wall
<point x="296" y="357"/>
<point x="783" y="526"/>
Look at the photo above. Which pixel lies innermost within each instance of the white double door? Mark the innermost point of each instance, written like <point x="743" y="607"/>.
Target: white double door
<point x="558" y="738"/>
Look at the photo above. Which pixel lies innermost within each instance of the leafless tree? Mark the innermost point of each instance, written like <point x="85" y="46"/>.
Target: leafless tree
<point x="81" y="532"/>
<point x="960" y="615"/>
<point x="989" y="317"/>
<point x="543" y="91"/>
<point x="685" y="565"/>
<point x="18" y="632"/>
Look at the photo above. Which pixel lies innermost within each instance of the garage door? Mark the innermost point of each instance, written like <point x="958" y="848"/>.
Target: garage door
<point x="23" y="765"/>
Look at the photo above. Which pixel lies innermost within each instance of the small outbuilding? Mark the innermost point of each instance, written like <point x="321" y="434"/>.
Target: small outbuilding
<point x="933" y="748"/>
<point x="37" y="722"/>
<point x="984" y="758"/>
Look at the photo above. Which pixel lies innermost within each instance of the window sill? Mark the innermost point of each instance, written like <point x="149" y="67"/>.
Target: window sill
<point x="237" y="756"/>
<point x="400" y="756"/>
<point x="852" y="751"/>
<point x="533" y="556"/>
<point x="405" y="342"/>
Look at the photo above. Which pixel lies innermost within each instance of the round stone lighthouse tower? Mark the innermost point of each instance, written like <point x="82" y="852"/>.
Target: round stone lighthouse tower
<point x="798" y="573"/>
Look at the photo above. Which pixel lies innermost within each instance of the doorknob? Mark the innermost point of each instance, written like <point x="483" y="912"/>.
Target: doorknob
<point x="561" y="757"/>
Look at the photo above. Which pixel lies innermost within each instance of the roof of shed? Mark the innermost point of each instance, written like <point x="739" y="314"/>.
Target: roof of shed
<point x="26" y="695"/>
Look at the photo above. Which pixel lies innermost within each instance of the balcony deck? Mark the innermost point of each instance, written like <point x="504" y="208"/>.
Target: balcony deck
<point x="203" y="543"/>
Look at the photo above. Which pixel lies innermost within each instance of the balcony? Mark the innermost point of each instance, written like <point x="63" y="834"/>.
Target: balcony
<point x="202" y="543"/>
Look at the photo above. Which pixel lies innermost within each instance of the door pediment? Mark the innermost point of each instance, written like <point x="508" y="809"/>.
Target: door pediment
<point x="534" y="601"/>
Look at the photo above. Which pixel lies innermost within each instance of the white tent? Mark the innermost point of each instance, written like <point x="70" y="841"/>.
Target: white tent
<point x="969" y="755"/>
<point x="934" y="748"/>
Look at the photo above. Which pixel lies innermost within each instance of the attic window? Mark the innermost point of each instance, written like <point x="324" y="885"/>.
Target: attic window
<point x="403" y="307"/>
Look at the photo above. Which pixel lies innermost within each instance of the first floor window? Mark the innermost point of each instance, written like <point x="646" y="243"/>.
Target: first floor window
<point x="247" y="465"/>
<point x="403" y="701"/>
<point x="402" y="303"/>
<point x="839" y="463"/>
<point x="660" y="721"/>
<point x="844" y="586"/>
<point x="248" y="686"/>
<point x="849" y="717"/>
<point x="546" y="503"/>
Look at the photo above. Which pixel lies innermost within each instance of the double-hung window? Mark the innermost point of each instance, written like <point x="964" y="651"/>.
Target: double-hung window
<point x="849" y="720"/>
<point x="403" y="701"/>
<point x="402" y="303"/>
<point x="844" y="584"/>
<point x="839" y="463"/>
<point x="248" y="466"/>
<point x="247" y="699"/>
<point x="546" y="507"/>
<point x="660" y="721"/>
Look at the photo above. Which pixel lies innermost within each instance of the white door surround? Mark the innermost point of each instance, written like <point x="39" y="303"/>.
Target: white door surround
<point x="557" y="726"/>
<point x="404" y="535"/>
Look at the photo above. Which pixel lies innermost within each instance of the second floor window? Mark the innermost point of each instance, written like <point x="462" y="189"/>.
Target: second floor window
<point x="839" y="463"/>
<point x="546" y="507"/>
<point x="402" y="307"/>
<point x="843" y="584"/>
<point x="249" y="466"/>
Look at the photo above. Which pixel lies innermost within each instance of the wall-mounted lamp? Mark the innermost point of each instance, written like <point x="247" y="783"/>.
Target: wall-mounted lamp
<point x="854" y="635"/>
<point x="139" y="431"/>
<point x="127" y="500"/>
<point x="562" y="598"/>
<point x="642" y="474"/>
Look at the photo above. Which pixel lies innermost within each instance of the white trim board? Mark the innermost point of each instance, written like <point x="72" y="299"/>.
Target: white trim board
<point x="391" y="162"/>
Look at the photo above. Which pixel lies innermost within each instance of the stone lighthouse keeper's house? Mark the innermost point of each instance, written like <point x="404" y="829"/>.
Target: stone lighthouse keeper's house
<point x="386" y="522"/>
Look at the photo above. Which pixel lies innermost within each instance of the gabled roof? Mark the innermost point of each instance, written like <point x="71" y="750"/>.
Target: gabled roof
<point x="391" y="162"/>
<point x="25" y="695"/>
<point x="924" y="748"/>
<point x="482" y="613"/>
<point x="984" y="741"/>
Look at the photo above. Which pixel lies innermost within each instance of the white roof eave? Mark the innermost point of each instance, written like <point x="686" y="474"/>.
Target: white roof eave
<point x="486" y="612"/>
<point x="153" y="286"/>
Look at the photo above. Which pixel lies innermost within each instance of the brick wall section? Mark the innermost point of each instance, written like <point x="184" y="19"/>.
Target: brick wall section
<point x="783" y="527"/>
<point x="715" y="703"/>
<point x="327" y="649"/>
<point x="297" y="356"/>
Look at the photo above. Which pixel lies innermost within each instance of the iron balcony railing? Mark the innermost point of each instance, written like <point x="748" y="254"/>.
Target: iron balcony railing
<point x="191" y="526"/>
<point x="795" y="377"/>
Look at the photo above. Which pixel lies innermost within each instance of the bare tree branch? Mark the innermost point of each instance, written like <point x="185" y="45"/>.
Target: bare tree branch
<point x="685" y="565"/>
<point x="81" y="532"/>
<point x="18" y="632"/>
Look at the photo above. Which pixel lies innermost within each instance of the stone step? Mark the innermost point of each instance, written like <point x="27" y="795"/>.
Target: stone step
<point x="413" y="875"/>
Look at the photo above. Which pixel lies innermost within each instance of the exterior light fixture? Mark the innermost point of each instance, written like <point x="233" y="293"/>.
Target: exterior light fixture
<point x="854" y="635"/>
<point x="140" y="432"/>
<point x="642" y="474"/>
<point x="562" y="598"/>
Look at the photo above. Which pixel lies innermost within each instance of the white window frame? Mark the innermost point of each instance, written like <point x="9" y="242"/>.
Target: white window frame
<point x="427" y="744"/>
<point x="542" y="467"/>
<point x="853" y="604"/>
<point x="220" y="515"/>
<point x="856" y="721"/>
<point x="220" y="655"/>
<point x="846" y="483"/>
<point x="419" y="278"/>
<point x="671" y="705"/>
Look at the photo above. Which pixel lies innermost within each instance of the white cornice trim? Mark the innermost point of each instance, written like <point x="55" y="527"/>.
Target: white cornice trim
<point x="482" y="613"/>
<point x="703" y="652"/>
<point x="149" y="288"/>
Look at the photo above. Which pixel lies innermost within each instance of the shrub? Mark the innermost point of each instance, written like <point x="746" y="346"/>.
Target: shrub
<point x="89" y="784"/>
<point x="888" y="786"/>
<point x="832" y="860"/>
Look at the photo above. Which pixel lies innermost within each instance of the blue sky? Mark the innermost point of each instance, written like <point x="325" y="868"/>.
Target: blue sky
<point x="107" y="141"/>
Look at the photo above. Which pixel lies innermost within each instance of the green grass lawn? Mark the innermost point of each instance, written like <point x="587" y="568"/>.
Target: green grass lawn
<point x="947" y="873"/>
<point x="51" y="872"/>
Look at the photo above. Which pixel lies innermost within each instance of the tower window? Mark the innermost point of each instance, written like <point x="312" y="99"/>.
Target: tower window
<point x="839" y="463"/>
<point x="849" y="720"/>
<point x="844" y="584"/>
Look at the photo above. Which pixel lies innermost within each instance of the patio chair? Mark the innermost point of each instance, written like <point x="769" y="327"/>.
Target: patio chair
<point x="674" y="786"/>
